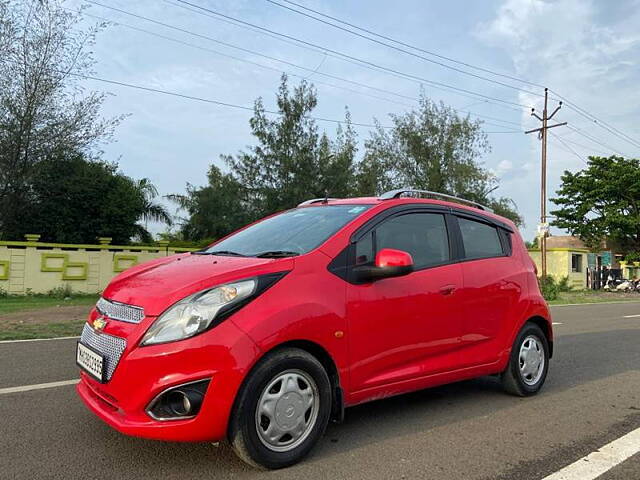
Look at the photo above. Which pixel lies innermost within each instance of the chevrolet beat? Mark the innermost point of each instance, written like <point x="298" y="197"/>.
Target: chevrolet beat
<point x="268" y="334"/>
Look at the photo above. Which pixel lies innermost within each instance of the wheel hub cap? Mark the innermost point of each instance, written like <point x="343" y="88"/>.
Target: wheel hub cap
<point x="531" y="360"/>
<point x="287" y="410"/>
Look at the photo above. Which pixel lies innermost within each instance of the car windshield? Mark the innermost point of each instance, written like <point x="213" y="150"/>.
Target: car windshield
<point x="290" y="233"/>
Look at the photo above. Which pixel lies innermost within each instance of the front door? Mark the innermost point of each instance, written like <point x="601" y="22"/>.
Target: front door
<point x="405" y="327"/>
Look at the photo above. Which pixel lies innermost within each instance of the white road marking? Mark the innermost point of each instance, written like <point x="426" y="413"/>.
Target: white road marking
<point x="631" y="316"/>
<point x="38" y="386"/>
<point x="37" y="340"/>
<point x="557" y="323"/>
<point x="619" y="302"/>
<point x="602" y="460"/>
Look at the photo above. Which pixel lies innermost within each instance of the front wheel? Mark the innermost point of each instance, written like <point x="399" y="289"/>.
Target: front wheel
<point x="529" y="362"/>
<point x="282" y="409"/>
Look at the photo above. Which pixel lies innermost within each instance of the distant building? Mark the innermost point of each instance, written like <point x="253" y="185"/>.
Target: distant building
<point x="567" y="256"/>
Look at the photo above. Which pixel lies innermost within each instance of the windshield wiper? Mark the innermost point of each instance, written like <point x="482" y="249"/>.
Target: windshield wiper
<point x="219" y="252"/>
<point x="276" y="254"/>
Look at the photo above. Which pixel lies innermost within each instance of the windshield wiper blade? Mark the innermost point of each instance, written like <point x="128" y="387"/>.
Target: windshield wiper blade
<point x="220" y="252"/>
<point x="276" y="253"/>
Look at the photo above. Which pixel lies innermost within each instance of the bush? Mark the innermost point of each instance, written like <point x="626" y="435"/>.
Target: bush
<point x="548" y="287"/>
<point x="563" y="284"/>
<point x="61" y="292"/>
<point x="632" y="257"/>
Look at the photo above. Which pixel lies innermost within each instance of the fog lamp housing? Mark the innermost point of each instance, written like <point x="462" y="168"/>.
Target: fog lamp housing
<point x="179" y="402"/>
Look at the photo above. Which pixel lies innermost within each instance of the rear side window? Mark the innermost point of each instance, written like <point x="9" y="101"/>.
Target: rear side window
<point x="480" y="240"/>
<point x="423" y="235"/>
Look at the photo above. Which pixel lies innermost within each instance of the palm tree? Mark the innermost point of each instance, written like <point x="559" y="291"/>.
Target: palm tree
<point x="152" y="211"/>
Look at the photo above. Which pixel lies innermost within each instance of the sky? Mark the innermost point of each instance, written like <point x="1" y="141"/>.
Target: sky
<point x="586" y="51"/>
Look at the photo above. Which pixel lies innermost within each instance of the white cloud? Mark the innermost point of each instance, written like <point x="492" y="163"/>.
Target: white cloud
<point x="587" y="51"/>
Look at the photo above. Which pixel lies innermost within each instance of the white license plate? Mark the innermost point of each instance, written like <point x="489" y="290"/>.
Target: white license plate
<point x="91" y="361"/>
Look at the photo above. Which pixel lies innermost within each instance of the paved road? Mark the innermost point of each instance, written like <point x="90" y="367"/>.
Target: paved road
<point x="469" y="430"/>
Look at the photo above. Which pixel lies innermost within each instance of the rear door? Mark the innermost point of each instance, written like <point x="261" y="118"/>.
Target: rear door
<point x="405" y="327"/>
<point x="492" y="280"/>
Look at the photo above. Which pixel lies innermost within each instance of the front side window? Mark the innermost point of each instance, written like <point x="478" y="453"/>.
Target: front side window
<point x="293" y="232"/>
<point x="480" y="240"/>
<point x="423" y="235"/>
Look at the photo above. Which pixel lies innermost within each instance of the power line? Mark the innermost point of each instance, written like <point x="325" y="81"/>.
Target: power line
<point x="215" y="102"/>
<point x="323" y="52"/>
<point x="413" y="54"/>
<point x="592" y="118"/>
<point x="582" y="145"/>
<point x="404" y="44"/>
<point x="569" y="149"/>
<point x="210" y="50"/>
<point x="253" y="52"/>
<point x="595" y="140"/>
<point x="359" y="61"/>
<point x="601" y="123"/>
<point x="231" y="105"/>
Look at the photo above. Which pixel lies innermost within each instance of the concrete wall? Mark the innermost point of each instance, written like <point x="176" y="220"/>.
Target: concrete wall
<point x="559" y="265"/>
<point x="37" y="267"/>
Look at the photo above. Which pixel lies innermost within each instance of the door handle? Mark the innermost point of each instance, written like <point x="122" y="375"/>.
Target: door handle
<point x="447" y="289"/>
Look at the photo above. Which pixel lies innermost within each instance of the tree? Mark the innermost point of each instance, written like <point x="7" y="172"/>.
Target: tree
<point x="153" y="211"/>
<point x="602" y="202"/>
<point x="214" y="210"/>
<point x="431" y="148"/>
<point x="73" y="200"/>
<point x="44" y="111"/>
<point x="292" y="161"/>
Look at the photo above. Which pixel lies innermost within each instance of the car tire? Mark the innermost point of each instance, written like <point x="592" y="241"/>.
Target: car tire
<point x="528" y="362"/>
<point x="282" y="409"/>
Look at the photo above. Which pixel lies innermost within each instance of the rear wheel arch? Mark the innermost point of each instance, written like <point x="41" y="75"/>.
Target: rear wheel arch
<point x="546" y="329"/>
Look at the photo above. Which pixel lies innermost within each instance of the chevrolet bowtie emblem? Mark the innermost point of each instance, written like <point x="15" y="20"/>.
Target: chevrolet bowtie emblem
<point x="99" y="324"/>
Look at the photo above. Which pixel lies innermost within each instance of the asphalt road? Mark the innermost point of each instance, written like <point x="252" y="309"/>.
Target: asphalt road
<point x="469" y="430"/>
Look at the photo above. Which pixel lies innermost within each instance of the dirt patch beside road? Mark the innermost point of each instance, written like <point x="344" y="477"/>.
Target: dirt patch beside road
<point x="48" y="322"/>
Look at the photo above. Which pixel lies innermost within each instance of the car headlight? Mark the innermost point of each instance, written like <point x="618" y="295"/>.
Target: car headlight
<point x="194" y="314"/>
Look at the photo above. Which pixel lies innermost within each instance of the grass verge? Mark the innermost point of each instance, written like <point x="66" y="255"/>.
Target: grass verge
<point x="594" y="296"/>
<point x="29" y="317"/>
<point x="16" y="303"/>
<point x="42" y="330"/>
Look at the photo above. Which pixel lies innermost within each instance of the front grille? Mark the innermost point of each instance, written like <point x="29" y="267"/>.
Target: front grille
<point x="120" y="311"/>
<point x="109" y="346"/>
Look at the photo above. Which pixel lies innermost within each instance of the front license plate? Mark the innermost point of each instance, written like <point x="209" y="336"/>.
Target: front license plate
<point x="90" y="361"/>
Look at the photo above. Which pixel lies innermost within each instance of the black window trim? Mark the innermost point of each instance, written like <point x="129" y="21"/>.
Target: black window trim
<point x="501" y="230"/>
<point x="343" y="263"/>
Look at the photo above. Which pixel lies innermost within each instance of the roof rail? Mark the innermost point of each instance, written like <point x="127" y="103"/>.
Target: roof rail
<point x="317" y="200"/>
<point x="401" y="191"/>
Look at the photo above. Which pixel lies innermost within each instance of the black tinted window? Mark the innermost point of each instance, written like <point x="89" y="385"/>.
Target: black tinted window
<point x="299" y="230"/>
<point x="423" y="235"/>
<point x="480" y="240"/>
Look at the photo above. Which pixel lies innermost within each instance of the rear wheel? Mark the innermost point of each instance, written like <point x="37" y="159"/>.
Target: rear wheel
<point x="529" y="362"/>
<point x="282" y="409"/>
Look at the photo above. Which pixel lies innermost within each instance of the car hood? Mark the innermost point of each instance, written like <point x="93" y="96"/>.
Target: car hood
<point x="160" y="283"/>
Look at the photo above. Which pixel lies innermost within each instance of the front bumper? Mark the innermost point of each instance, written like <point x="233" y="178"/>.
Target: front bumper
<point x="223" y="355"/>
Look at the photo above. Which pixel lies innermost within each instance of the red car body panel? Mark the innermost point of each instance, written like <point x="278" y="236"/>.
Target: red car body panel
<point x="386" y="337"/>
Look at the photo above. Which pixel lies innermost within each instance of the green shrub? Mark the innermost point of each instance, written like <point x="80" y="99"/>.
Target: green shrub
<point x="548" y="287"/>
<point x="632" y="257"/>
<point x="563" y="284"/>
<point x="61" y="292"/>
<point x="3" y="293"/>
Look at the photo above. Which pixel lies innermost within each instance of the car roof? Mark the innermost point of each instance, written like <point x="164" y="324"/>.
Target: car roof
<point x="411" y="200"/>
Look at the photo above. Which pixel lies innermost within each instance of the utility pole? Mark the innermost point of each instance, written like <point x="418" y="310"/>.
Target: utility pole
<point x="542" y="134"/>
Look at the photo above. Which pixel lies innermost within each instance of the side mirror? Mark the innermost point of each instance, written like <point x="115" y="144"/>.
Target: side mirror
<point x="389" y="263"/>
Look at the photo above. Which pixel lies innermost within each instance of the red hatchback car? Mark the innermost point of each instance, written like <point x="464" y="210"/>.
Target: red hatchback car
<point x="269" y="333"/>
